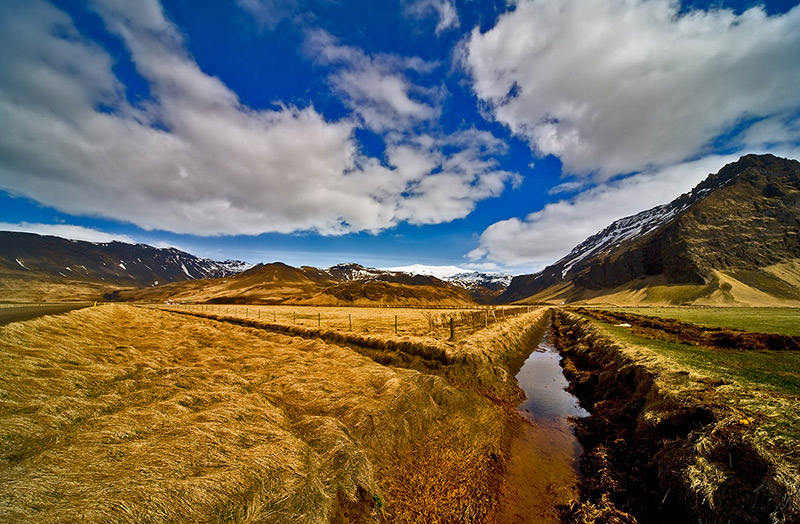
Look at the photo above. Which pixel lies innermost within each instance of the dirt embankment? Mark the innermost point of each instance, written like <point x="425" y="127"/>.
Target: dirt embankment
<point x="659" y="445"/>
<point x="686" y="333"/>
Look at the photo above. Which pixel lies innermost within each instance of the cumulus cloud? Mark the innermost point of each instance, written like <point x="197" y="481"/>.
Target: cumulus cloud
<point x="545" y="236"/>
<point x="66" y="231"/>
<point x="194" y="159"/>
<point x="618" y="86"/>
<point x="443" y="10"/>
<point x="376" y="88"/>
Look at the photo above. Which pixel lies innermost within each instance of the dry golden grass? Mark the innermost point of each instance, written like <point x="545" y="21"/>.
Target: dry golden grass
<point x="725" y="290"/>
<point x="122" y="414"/>
<point x="411" y="321"/>
<point x="480" y="361"/>
<point x="20" y="287"/>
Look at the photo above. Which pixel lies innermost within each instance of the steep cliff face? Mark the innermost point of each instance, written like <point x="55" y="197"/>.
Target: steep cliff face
<point x="741" y="219"/>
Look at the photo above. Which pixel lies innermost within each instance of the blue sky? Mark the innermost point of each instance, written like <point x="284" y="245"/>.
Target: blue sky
<point x="488" y="135"/>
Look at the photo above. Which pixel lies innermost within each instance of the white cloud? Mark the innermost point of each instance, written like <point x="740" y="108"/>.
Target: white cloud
<point x="547" y="235"/>
<point x="376" y="88"/>
<point x="269" y="13"/>
<point x="444" y="10"/>
<point x="618" y="86"/>
<point x="196" y="160"/>
<point x="66" y="231"/>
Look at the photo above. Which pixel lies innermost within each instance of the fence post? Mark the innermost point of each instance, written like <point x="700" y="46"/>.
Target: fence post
<point x="294" y="317"/>
<point x="395" y="324"/>
<point x="350" y="321"/>
<point x="486" y="319"/>
<point x="319" y="319"/>
<point x="452" y="329"/>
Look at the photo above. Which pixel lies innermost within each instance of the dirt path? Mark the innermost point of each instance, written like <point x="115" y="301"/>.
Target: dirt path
<point x="19" y="313"/>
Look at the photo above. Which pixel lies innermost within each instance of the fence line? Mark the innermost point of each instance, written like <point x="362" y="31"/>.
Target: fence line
<point x="450" y="322"/>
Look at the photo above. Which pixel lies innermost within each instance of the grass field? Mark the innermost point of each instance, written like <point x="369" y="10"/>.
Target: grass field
<point x="418" y="322"/>
<point x="783" y="321"/>
<point x="764" y="384"/>
<point x="126" y="414"/>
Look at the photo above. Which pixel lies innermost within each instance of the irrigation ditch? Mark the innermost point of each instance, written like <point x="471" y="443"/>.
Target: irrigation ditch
<point x="658" y="444"/>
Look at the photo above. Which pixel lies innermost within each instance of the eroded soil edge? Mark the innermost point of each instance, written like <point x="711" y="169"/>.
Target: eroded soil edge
<point x="658" y="446"/>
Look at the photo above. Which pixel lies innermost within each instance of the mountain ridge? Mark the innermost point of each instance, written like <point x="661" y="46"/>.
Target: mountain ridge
<point x="109" y="262"/>
<point x="279" y="283"/>
<point x="43" y="267"/>
<point x="743" y="218"/>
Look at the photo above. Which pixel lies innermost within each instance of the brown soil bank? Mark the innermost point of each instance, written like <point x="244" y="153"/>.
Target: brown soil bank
<point x="662" y="444"/>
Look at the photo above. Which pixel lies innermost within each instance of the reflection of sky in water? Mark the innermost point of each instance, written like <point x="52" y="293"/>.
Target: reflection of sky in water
<point x="544" y="384"/>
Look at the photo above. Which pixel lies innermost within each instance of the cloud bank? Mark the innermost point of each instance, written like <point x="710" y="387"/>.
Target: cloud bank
<point x="634" y="97"/>
<point x="193" y="158"/>
<point x="444" y="11"/>
<point x="613" y="86"/>
<point x="66" y="231"/>
<point x="547" y="235"/>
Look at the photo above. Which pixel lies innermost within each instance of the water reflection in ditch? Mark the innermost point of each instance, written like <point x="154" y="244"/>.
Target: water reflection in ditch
<point x="543" y="461"/>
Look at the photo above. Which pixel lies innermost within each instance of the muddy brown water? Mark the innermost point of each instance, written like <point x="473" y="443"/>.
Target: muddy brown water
<point x="544" y="453"/>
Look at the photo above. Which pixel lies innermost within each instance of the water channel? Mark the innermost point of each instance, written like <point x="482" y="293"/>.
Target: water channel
<point x="543" y="461"/>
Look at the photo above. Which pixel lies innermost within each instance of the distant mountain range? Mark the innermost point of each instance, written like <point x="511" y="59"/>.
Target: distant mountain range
<point x="36" y="267"/>
<point x="113" y="262"/>
<point x="734" y="239"/>
<point x="343" y="284"/>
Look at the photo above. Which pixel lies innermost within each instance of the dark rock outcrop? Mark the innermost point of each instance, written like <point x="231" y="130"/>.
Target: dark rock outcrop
<point x="744" y="217"/>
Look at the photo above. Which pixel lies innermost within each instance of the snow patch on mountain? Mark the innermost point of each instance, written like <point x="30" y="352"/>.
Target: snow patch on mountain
<point x="458" y="276"/>
<point x="624" y="229"/>
<point x="440" y="272"/>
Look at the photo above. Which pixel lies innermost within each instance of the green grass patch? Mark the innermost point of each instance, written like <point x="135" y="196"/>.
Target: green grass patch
<point x="774" y="373"/>
<point x="782" y="321"/>
<point x="779" y="370"/>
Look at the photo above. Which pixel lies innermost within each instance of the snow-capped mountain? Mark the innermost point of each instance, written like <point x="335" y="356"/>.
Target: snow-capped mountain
<point x="456" y="275"/>
<point x="741" y="218"/>
<point x="440" y="272"/>
<point x="482" y="285"/>
<point x="113" y="262"/>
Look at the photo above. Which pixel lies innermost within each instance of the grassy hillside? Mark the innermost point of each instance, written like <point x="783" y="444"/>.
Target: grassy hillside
<point x="683" y="433"/>
<point x="775" y="286"/>
<point x="282" y="284"/>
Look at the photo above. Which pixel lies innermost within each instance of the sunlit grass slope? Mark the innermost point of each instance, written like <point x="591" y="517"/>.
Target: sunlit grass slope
<point x="122" y="414"/>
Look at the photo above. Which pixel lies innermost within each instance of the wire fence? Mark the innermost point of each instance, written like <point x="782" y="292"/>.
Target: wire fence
<point x="445" y="323"/>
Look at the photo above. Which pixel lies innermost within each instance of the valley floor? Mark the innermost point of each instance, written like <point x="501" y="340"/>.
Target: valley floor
<point x="119" y="413"/>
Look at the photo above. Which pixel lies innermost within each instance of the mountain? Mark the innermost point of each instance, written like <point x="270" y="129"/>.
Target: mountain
<point x="734" y="239"/>
<point x="278" y="283"/>
<point x="484" y="287"/>
<point x="29" y="261"/>
<point x="35" y="267"/>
